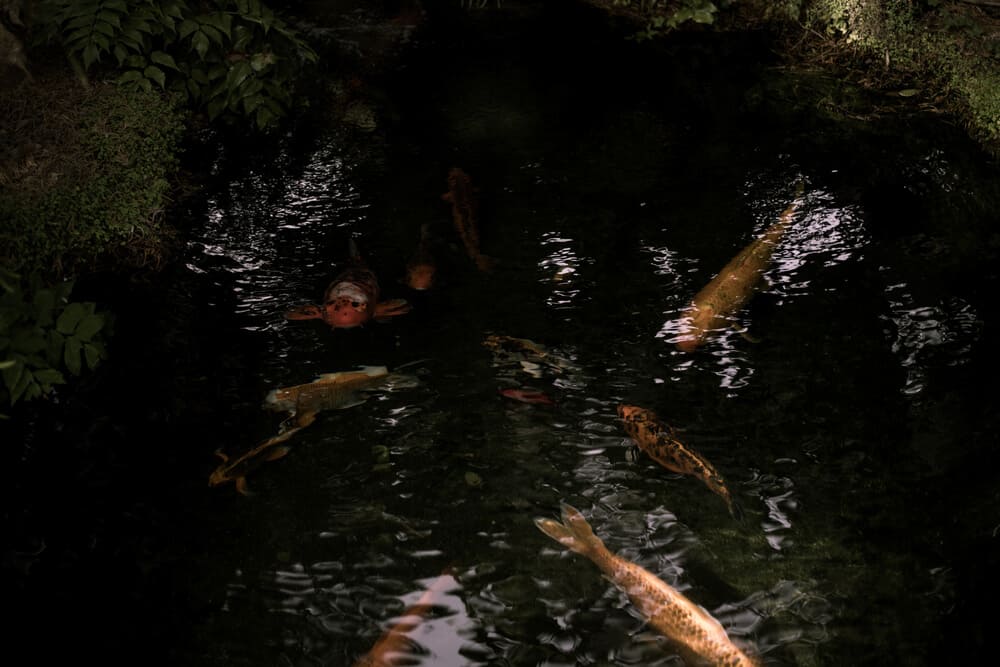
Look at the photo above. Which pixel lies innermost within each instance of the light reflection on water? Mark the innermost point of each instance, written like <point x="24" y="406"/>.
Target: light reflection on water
<point x="451" y="473"/>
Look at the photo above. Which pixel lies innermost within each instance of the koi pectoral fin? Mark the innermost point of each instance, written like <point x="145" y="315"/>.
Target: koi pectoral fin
<point x="307" y="312"/>
<point x="277" y="453"/>
<point x="392" y="308"/>
<point x="241" y="486"/>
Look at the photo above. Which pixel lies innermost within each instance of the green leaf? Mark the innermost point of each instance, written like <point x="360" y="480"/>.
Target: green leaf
<point x="54" y="351"/>
<point x="909" y="92"/>
<point x="199" y="41"/>
<point x="131" y="77"/>
<point x="48" y="377"/>
<point x="111" y="18"/>
<point x="104" y="28"/>
<point x="11" y="371"/>
<point x="79" y="22"/>
<point x="91" y="54"/>
<point x="89" y="326"/>
<point x="216" y="107"/>
<point x="71" y="355"/>
<point x="69" y="318"/>
<point x="136" y="62"/>
<point x="22" y="383"/>
<point x="238" y="74"/>
<point x="93" y="354"/>
<point x="45" y="303"/>
<point x="156" y="74"/>
<point x="165" y="59"/>
<point x="187" y="27"/>
<point x="213" y="34"/>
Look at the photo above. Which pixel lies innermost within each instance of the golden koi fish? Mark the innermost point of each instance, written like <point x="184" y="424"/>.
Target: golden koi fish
<point x="464" y="213"/>
<point x="330" y="391"/>
<point x="666" y="609"/>
<point x="659" y="441"/>
<point x="395" y="641"/>
<point x="714" y="306"/>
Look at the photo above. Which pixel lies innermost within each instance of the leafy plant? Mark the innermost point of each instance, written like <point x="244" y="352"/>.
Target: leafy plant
<point x="231" y="59"/>
<point x="43" y="334"/>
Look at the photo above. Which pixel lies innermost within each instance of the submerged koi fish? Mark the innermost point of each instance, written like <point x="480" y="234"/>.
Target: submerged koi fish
<point x="661" y="444"/>
<point x="501" y="345"/>
<point x="714" y="306"/>
<point x="464" y="213"/>
<point x="421" y="269"/>
<point x="330" y="391"/>
<point x="396" y="642"/>
<point x="525" y="395"/>
<point x="666" y="609"/>
<point x="238" y="469"/>
<point x="351" y="299"/>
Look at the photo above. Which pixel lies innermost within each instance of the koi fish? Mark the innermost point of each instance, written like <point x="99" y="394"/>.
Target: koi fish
<point x="659" y="441"/>
<point x="238" y="469"/>
<point x="464" y="213"/>
<point x="395" y="641"/>
<point x="501" y="345"/>
<point x="726" y="294"/>
<point x="527" y="396"/>
<point x="421" y="268"/>
<point x="330" y="391"/>
<point x="351" y="299"/>
<point x="666" y="609"/>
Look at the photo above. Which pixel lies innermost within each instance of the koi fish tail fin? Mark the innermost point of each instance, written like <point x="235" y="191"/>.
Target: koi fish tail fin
<point x="574" y="532"/>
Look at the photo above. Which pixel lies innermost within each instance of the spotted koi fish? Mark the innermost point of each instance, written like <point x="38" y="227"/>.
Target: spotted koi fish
<point x="351" y="299"/>
<point x="465" y="215"/>
<point x="659" y="441"/>
<point x="725" y="295"/>
<point x="667" y="610"/>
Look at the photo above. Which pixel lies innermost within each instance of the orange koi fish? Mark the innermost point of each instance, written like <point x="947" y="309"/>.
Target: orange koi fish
<point x="659" y="441"/>
<point x="330" y="391"/>
<point x="351" y="299"/>
<point x="421" y="269"/>
<point x="464" y="213"/>
<point x="395" y="643"/>
<point x="666" y="609"/>
<point x="714" y="306"/>
<point x="526" y="395"/>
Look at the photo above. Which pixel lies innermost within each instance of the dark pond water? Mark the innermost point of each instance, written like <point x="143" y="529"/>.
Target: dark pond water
<point x="857" y="429"/>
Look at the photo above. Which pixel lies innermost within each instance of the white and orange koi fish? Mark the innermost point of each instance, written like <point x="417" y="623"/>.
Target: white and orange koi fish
<point x="351" y="299"/>
<point x="666" y="609"/>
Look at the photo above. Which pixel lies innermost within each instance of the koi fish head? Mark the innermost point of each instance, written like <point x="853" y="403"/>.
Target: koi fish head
<point x="420" y="276"/>
<point x="633" y="413"/>
<point x="345" y="312"/>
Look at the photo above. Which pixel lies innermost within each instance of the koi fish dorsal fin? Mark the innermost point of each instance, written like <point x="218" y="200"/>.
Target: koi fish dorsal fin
<point x="370" y="371"/>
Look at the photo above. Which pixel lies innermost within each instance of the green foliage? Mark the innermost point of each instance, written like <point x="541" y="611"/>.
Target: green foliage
<point x="231" y="59"/>
<point x="43" y="335"/>
<point x="663" y="17"/>
<point x="102" y="193"/>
